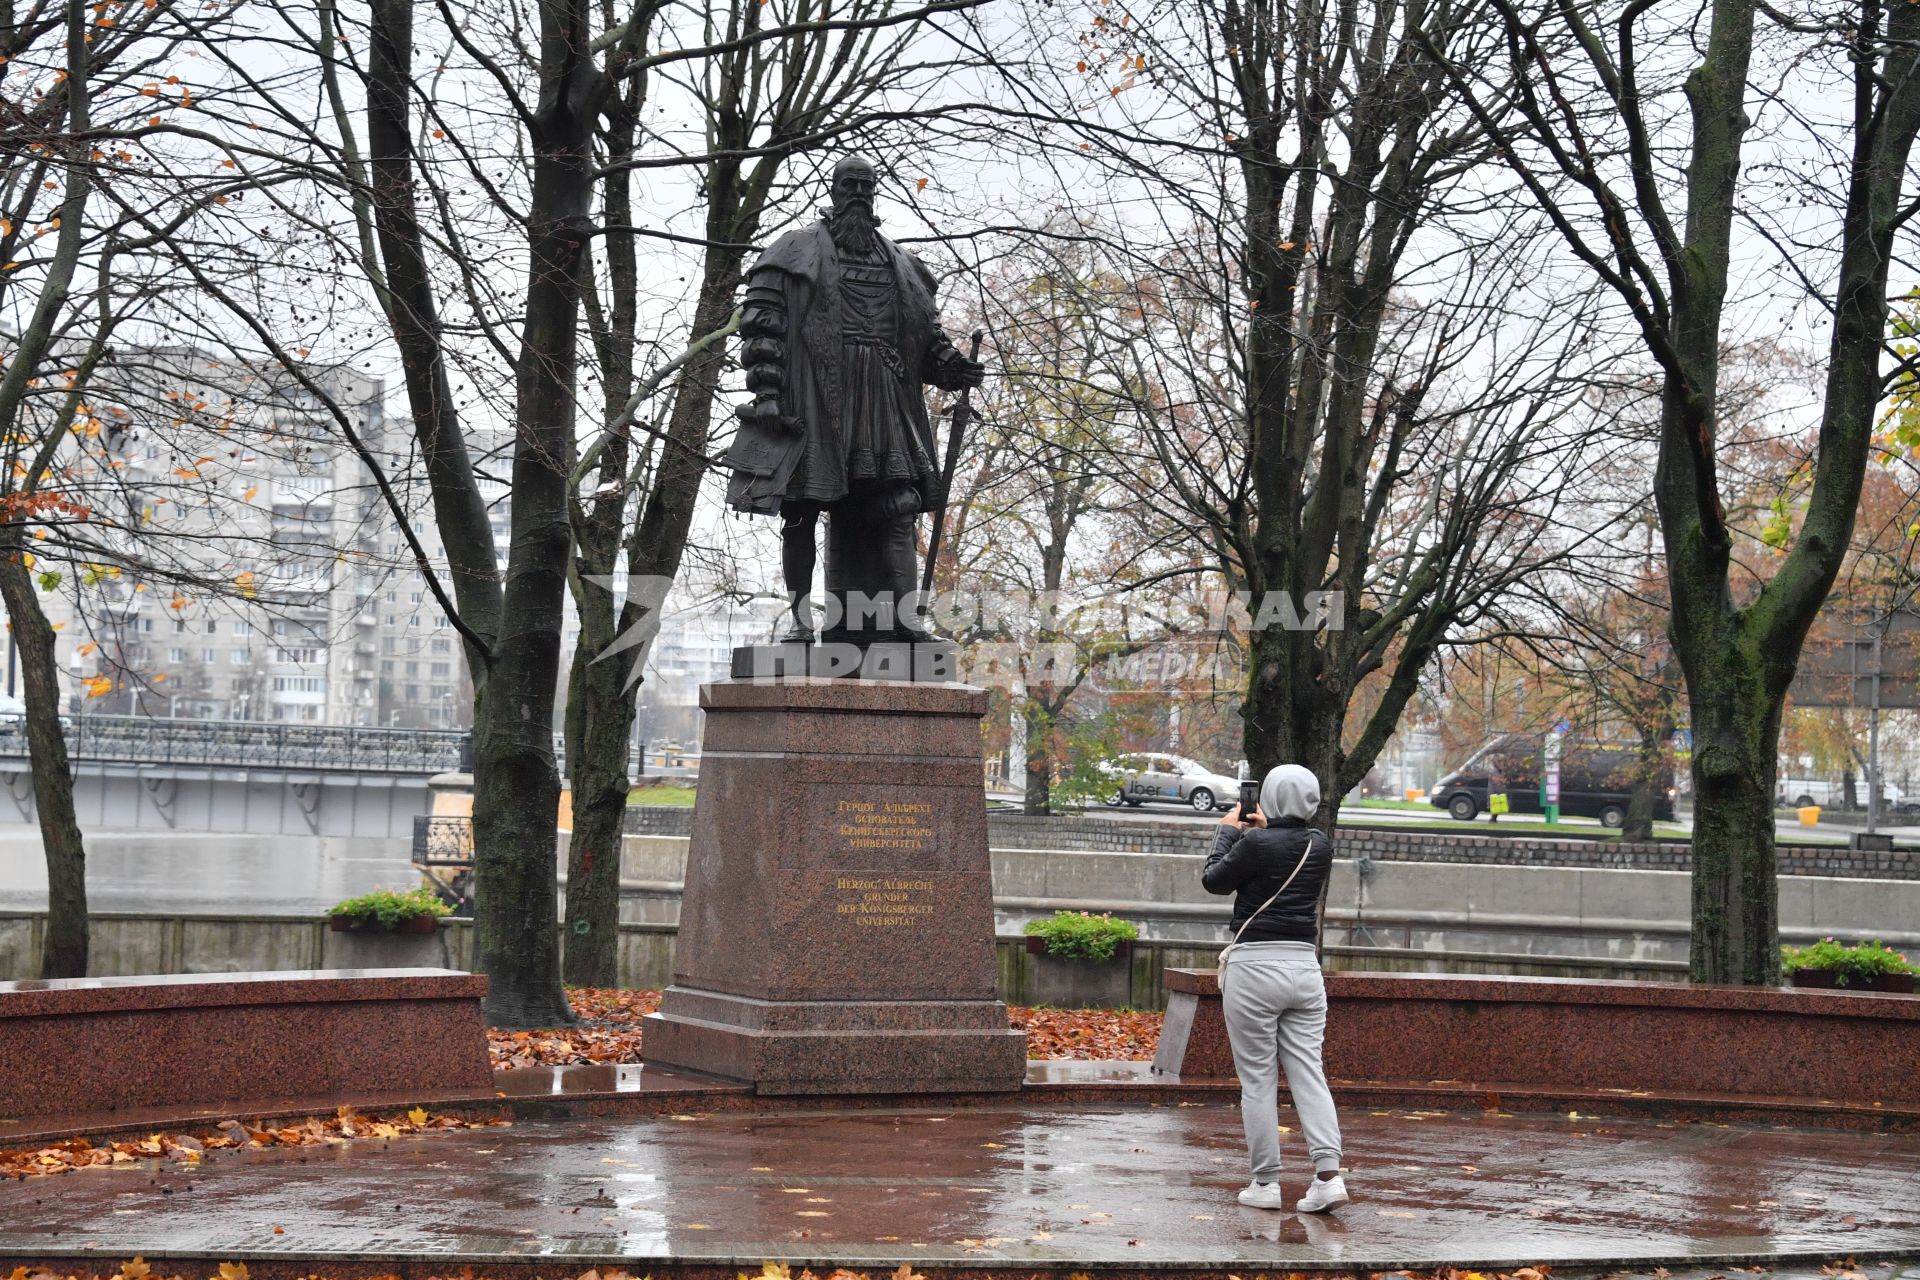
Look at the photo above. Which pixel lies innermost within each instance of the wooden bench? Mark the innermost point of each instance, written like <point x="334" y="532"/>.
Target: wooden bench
<point x="239" y="1042"/>
<point x="1570" y="1035"/>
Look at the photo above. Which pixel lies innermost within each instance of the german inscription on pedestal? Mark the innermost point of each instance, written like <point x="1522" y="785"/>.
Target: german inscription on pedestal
<point x="884" y="902"/>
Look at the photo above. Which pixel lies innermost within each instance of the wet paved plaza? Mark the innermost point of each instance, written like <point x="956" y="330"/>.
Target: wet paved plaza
<point x="999" y="1185"/>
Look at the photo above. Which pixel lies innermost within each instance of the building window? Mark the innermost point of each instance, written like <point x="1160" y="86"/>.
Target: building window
<point x="213" y="628"/>
<point x="176" y="654"/>
<point x="300" y="657"/>
<point x="442" y="645"/>
<point x="179" y="626"/>
<point x="441" y="670"/>
<point x="386" y="666"/>
<point x="241" y="657"/>
<point x="243" y="628"/>
<point x="299" y="684"/>
<point x="413" y="668"/>
<point x="279" y="627"/>
<point x="207" y="655"/>
<point x="413" y="693"/>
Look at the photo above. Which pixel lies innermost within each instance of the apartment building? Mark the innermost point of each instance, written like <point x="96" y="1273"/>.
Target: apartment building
<point x="261" y="575"/>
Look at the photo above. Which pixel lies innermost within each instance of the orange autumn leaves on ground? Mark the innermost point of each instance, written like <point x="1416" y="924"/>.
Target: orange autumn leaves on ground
<point x="610" y="1033"/>
<point x="346" y="1125"/>
<point x="1105" y="1035"/>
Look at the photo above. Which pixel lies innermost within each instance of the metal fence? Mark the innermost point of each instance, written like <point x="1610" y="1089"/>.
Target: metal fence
<point x="252" y="744"/>
<point x="442" y="841"/>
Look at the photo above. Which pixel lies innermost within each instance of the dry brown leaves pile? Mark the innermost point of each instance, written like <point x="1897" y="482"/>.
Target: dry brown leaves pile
<point x="1101" y="1034"/>
<point x="346" y="1125"/>
<point x="610" y="1033"/>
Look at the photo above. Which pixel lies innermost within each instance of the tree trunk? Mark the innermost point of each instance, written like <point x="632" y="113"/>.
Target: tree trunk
<point x="600" y="710"/>
<point x="516" y="781"/>
<point x="1649" y="777"/>
<point x="1736" y="906"/>
<point x="599" y="729"/>
<point x="602" y="705"/>
<point x="1038" y="801"/>
<point x="65" y="952"/>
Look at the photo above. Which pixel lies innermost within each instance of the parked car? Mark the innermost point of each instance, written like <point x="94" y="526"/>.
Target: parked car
<point x="1595" y="782"/>
<point x="1170" y="779"/>
<point x="1798" y="793"/>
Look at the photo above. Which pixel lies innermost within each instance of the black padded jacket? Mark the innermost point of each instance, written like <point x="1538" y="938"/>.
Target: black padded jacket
<point x="1251" y="863"/>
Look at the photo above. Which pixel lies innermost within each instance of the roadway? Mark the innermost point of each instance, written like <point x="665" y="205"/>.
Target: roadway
<point x="1787" y="830"/>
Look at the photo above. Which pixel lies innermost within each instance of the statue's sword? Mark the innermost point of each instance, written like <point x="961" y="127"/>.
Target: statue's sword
<point x="961" y="408"/>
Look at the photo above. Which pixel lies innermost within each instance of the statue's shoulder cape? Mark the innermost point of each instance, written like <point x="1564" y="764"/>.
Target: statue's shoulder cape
<point x="803" y="252"/>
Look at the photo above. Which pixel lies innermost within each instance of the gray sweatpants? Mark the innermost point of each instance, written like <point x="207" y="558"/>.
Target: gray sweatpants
<point x="1276" y="1008"/>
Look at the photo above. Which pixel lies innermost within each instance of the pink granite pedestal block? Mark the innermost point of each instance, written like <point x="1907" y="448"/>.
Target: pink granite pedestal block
<point x="1632" y="1038"/>
<point x="98" y="1046"/>
<point x="836" y="928"/>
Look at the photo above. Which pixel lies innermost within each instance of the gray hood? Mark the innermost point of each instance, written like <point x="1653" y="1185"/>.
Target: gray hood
<point x="1290" y="791"/>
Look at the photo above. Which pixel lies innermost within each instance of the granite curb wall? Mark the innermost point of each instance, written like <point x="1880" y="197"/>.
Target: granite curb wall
<point x="1636" y="1039"/>
<point x="95" y="1044"/>
<point x="1099" y="835"/>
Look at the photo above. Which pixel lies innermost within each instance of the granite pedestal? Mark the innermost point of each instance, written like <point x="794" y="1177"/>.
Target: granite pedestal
<point x="836" y="929"/>
<point x="921" y="661"/>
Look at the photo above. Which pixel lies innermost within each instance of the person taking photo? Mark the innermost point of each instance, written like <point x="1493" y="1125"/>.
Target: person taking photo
<point x="1271" y="987"/>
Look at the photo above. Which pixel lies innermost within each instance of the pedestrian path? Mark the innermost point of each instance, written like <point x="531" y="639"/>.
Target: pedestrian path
<point x="1037" y="1187"/>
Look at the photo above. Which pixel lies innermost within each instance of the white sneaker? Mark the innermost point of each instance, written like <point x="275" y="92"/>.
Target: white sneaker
<point x="1263" y="1195"/>
<point x="1323" y="1194"/>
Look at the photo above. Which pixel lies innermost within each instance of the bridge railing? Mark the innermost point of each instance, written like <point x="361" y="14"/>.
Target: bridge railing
<point x="251" y="744"/>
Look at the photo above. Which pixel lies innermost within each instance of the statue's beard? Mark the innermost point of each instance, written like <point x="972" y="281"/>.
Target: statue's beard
<point x="854" y="228"/>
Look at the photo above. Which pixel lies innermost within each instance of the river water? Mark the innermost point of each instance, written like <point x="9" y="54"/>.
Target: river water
<point x="196" y="871"/>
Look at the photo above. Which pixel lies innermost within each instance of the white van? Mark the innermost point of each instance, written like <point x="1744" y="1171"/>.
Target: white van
<point x="1797" y="793"/>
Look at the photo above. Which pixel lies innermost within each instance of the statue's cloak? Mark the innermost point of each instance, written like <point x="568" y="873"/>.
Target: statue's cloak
<point x="767" y="459"/>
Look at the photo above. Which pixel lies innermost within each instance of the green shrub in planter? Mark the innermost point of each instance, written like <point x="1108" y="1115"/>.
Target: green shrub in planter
<point x="1081" y="935"/>
<point x="1850" y="965"/>
<point x="390" y="908"/>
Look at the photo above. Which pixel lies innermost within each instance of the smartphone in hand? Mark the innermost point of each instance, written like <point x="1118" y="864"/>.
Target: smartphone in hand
<point x="1249" y="798"/>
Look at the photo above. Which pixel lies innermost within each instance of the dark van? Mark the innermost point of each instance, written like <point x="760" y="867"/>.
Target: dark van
<point x="1595" y="782"/>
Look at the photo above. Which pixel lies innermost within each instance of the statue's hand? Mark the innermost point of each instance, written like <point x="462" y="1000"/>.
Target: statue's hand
<point x="957" y="373"/>
<point x="765" y="413"/>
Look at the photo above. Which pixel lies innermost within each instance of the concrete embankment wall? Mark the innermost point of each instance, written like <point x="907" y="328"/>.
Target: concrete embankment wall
<point x="1477" y="844"/>
<point x="1597" y="913"/>
<point x="128" y="943"/>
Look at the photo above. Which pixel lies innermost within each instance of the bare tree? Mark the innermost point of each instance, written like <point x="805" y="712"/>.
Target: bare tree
<point x="1653" y="209"/>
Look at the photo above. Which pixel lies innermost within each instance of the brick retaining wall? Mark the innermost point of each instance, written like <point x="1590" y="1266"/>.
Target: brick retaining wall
<point x="1100" y="835"/>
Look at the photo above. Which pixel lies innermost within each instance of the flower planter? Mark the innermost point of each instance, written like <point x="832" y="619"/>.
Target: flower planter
<point x="1072" y="983"/>
<point x="1824" y="979"/>
<point x="368" y="924"/>
<point x="362" y="943"/>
